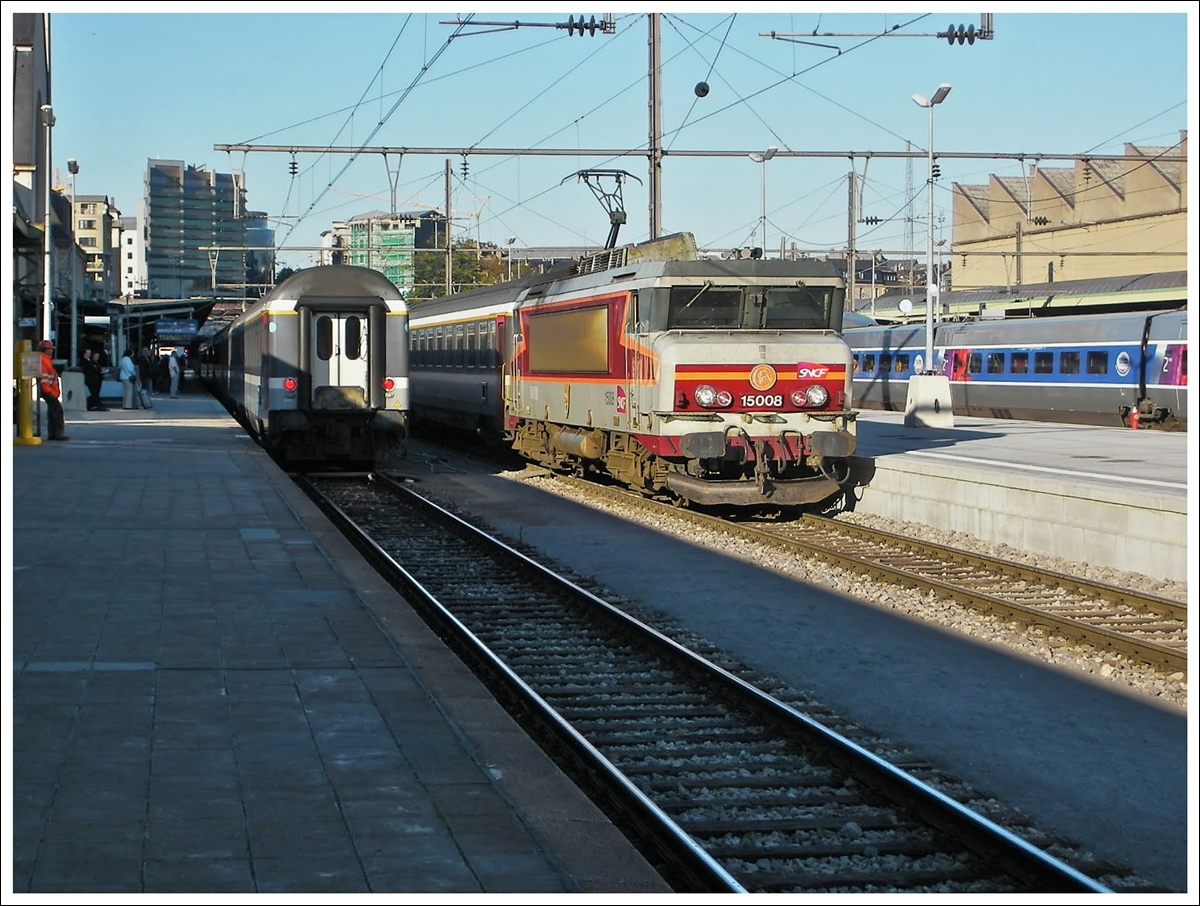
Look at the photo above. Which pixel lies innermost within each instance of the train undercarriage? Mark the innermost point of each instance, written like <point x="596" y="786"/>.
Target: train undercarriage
<point x="725" y="471"/>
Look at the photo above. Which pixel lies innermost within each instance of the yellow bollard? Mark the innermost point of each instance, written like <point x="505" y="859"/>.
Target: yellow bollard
<point x="27" y="364"/>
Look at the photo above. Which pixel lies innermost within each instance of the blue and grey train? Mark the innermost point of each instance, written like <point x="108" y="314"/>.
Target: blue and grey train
<point x="1126" y="369"/>
<point x="317" y="369"/>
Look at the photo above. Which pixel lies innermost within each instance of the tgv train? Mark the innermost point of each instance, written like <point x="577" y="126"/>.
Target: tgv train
<point x="318" y="368"/>
<point x="1125" y="369"/>
<point x="711" y="381"/>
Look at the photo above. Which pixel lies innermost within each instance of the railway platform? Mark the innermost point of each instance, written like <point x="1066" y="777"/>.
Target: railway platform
<point x="1106" y="496"/>
<point x="212" y="692"/>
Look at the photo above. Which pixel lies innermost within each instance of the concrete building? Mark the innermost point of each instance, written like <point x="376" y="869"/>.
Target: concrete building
<point x="384" y="242"/>
<point x="1099" y="218"/>
<point x="95" y="217"/>
<point x="260" y="254"/>
<point x="132" y="258"/>
<point x="194" y="230"/>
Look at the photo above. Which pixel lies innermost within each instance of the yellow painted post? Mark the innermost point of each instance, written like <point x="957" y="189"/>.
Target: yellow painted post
<point x="27" y="364"/>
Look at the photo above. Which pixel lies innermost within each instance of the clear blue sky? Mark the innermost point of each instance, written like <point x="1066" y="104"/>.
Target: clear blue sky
<point x="128" y="86"/>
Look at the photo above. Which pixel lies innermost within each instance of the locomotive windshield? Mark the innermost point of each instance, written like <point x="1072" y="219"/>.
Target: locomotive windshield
<point x="705" y="306"/>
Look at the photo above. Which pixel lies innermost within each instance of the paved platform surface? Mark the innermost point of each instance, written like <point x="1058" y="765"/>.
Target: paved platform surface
<point x="211" y="692"/>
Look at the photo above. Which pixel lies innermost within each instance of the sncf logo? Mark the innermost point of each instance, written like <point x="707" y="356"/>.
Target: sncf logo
<point x="811" y="370"/>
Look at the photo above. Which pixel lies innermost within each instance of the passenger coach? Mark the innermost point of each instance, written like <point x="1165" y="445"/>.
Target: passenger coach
<point x="318" y="369"/>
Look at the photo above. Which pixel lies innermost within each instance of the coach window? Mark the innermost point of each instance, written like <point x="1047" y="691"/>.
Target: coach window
<point x="903" y="364"/>
<point x="854" y="360"/>
<point x="975" y="363"/>
<point x="324" y="338"/>
<point x="869" y="363"/>
<point x="1097" y="362"/>
<point x="353" y="340"/>
<point x="437" y="347"/>
<point x="1043" y="363"/>
<point x="471" y="349"/>
<point x="995" y="363"/>
<point x="1019" y="363"/>
<point x="885" y="362"/>
<point x="1068" y="362"/>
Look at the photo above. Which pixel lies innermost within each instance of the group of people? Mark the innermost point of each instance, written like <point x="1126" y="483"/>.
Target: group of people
<point x="136" y="377"/>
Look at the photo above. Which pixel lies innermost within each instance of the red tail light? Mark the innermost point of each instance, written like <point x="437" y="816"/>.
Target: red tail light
<point x="289" y="384"/>
<point x="388" y="384"/>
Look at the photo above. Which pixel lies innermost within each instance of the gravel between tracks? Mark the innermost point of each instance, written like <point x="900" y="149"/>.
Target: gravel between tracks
<point x="1109" y="666"/>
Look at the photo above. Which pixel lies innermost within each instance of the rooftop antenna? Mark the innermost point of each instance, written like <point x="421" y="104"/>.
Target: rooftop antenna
<point x="613" y="200"/>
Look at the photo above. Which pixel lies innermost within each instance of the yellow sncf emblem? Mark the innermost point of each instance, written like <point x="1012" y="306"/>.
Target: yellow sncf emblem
<point x="763" y="377"/>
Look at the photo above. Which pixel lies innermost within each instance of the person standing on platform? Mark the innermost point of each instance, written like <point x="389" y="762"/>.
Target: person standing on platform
<point x="147" y="368"/>
<point x="49" y="390"/>
<point x="173" y="371"/>
<point x="128" y="375"/>
<point x="93" y="379"/>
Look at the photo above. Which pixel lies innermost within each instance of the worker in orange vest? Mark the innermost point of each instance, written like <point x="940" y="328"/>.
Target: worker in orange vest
<point x="49" y="391"/>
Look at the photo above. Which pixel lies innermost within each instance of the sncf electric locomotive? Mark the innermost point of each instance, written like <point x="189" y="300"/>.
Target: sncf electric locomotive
<point x="1127" y="369"/>
<point x="711" y="381"/>
<point x="318" y="368"/>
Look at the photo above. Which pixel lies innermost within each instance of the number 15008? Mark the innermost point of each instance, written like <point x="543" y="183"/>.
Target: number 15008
<point x="763" y="400"/>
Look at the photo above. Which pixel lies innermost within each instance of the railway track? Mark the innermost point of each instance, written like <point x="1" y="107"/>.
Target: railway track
<point x="1141" y="626"/>
<point x="727" y="788"/>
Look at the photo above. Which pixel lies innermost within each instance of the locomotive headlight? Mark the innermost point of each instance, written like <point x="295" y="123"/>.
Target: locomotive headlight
<point x="816" y="396"/>
<point x="710" y="397"/>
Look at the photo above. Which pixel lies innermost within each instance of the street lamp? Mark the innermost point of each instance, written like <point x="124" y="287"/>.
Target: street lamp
<point x="509" y="242"/>
<point x="929" y="104"/>
<point x="73" y="169"/>
<point x="47" y="238"/>
<point x="761" y="157"/>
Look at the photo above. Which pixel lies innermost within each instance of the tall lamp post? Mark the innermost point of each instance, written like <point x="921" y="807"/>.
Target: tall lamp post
<point x="509" y="242"/>
<point x="73" y="169"/>
<point x="761" y="158"/>
<point x="929" y="104"/>
<point x="47" y="238"/>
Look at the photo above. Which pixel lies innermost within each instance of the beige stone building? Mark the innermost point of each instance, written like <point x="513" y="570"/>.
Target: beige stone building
<point x="1100" y="218"/>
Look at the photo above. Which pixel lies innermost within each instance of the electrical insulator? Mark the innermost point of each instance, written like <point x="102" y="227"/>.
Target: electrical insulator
<point x="293" y="168"/>
<point x="961" y="34"/>
<point x="582" y="26"/>
<point x="1040" y="221"/>
<point x="871" y="221"/>
<point x="937" y="172"/>
<point x="465" y="167"/>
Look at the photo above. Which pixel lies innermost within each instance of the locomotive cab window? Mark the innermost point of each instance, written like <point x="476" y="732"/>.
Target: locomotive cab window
<point x="796" y="307"/>
<point x="704" y="306"/>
